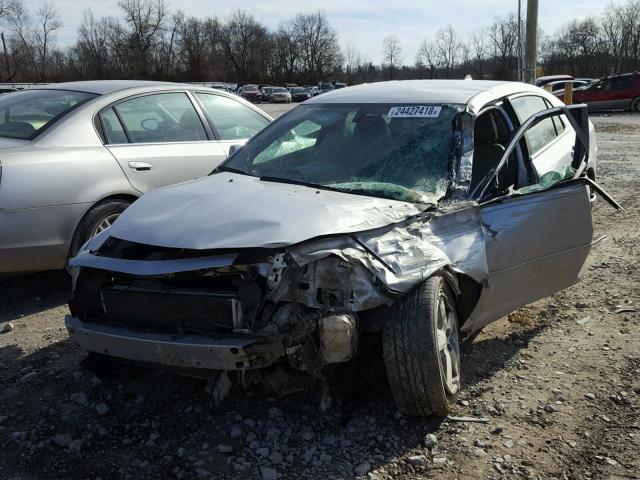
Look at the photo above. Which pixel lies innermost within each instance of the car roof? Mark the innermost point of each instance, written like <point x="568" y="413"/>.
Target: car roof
<point x="101" y="87"/>
<point x="424" y="91"/>
<point x="548" y="78"/>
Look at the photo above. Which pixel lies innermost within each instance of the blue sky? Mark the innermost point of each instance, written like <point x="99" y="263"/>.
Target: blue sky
<point x="363" y="22"/>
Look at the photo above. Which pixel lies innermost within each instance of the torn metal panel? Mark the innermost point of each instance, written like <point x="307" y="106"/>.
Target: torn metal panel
<point x="413" y="251"/>
<point x="333" y="284"/>
<point x="150" y="267"/>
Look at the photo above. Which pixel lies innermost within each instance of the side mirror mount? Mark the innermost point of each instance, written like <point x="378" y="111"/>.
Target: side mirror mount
<point x="234" y="148"/>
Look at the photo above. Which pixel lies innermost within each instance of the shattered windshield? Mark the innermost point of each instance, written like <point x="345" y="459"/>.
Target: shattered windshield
<point x="402" y="152"/>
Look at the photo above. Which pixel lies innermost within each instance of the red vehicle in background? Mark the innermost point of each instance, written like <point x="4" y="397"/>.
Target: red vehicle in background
<point x="619" y="92"/>
<point x="251" y="93"/>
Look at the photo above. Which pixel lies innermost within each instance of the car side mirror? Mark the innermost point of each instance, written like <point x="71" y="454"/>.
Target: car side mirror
<point x="234" y="148"/>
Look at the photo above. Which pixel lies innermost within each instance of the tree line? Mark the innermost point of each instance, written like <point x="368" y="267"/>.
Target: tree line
<point x="149" y="41"/>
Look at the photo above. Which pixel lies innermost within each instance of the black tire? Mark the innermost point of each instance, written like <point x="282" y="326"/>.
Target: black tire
<point x="414" y="363"/>
<point x="635" y="105"/>
<point x="92" y="219"/>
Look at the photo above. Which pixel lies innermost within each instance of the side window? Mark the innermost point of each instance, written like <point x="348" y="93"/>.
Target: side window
<point x="541" y="134"/>
<point x="113" y="131"/>
<point x="163" y="117"/>
<point x="622" y="83"/>
<point x="559" y="121"/>
<point x="232" y="119"/>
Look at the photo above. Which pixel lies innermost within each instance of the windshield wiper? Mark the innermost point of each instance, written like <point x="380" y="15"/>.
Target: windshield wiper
<point x="319" y="186"/>
<point x="224" y="168"/>
<point x="299" y="182"/>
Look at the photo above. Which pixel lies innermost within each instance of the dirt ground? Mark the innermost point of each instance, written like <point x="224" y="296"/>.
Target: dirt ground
<point x="557" y="385"/>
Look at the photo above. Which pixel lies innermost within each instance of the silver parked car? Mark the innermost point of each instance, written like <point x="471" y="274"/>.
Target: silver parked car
<point x="73" y="156"/>
<point x="416" y="211"/>
<point x="279" y="95"/>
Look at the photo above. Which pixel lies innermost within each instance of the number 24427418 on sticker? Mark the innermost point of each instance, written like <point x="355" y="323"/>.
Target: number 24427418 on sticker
<point x="414" y="111"/>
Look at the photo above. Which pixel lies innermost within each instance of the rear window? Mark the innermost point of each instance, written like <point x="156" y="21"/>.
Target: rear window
<point x="23" y="115"/>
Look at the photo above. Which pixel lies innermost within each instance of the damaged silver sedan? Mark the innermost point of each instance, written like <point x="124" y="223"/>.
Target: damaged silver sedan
<point x="420" y="211"/>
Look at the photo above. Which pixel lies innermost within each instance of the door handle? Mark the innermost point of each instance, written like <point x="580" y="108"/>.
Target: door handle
<point x="140" y="166"/>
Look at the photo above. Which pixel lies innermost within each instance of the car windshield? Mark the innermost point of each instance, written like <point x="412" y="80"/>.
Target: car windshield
<point x="279" y="90"/>
<point x="401" y="152"/>
<point x="250" y="88"/>
<point x="24" y="114"/>
<point x="299" y="90"/>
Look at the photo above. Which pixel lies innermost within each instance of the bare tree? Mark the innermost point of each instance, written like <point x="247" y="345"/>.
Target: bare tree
<point x="426" y="59"/>
<point x="165" y="55"/>
<point x="392" y="53"/>
<point x="284" y="61"/>
<point x="503" y="37"/>
<point x="195" y="47"/>
<point x="478" y="44"/>
<point x="621" y="28"/>
<point x="244" y="39"/>
<point x="318" y="45"/>
<point x="21" y="42"/>
<point x="7" y="9"/>
<point x="448" y="48"/>
<point x="145" y="20"/>
<point x="48" y="22"/>
<point x="93" y="58"/>
<point x="353" y="60"/>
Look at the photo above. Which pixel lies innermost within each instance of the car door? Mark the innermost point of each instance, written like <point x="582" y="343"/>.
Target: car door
<point x="160" y="139"/>
<point x="232" y="121"/>
<point x="622" y="91"/>
<point x="538" y="237"/>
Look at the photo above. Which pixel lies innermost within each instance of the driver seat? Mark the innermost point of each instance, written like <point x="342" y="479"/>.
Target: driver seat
<point x="487" y="151"/>
<point x="371" y="135"/>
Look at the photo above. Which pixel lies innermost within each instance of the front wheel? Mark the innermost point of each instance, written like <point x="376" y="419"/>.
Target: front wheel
<point x="635" y="105"/>
<point x="421" y="350"/>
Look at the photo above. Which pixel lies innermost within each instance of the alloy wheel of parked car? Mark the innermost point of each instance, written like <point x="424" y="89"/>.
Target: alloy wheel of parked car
<point x="104" y="224"/>
<point x="635" y="105"/>
<point x="421" y="350"/>
<point x="98" y="219"/>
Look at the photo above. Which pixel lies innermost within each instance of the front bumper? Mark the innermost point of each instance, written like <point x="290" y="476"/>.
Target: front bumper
<point x="188" y="351"/>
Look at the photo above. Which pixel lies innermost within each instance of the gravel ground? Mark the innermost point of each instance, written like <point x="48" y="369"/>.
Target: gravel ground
<point x="556" y="385"/>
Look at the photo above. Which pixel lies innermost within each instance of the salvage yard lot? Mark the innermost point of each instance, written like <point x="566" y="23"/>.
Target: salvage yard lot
<point x="558" y="383"/>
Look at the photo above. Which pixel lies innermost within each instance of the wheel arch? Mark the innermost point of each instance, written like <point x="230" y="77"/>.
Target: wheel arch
<point x="467" y="291"/>
<point x="127" y="197"/>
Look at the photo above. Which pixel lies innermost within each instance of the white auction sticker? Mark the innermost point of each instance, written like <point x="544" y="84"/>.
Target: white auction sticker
<point x="415" y="111"/>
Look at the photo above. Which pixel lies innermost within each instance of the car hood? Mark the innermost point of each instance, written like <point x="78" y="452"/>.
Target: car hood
<point x="228" y="210"/>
